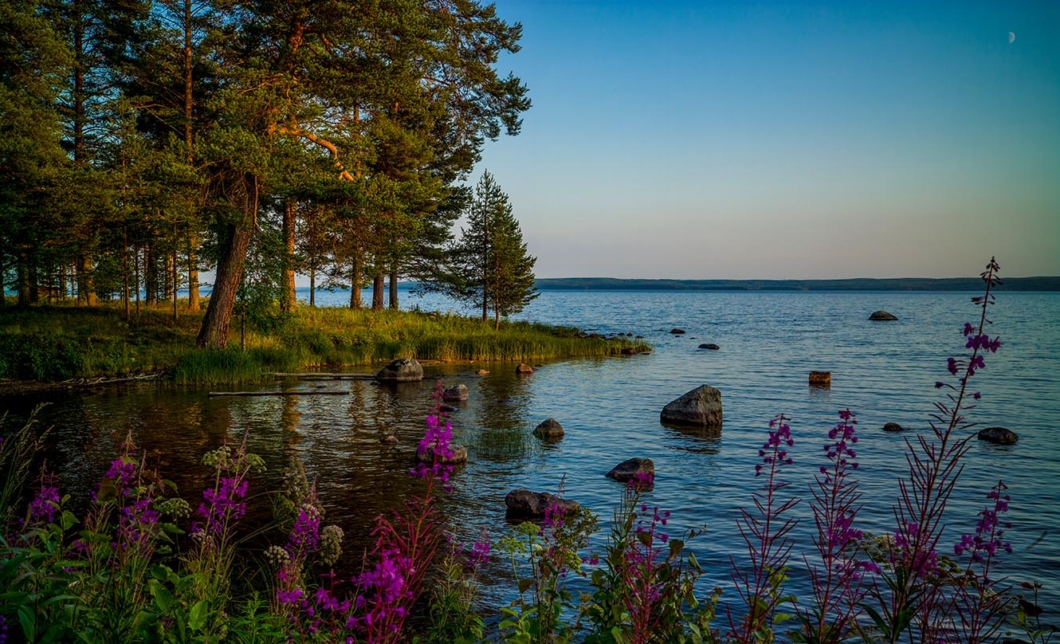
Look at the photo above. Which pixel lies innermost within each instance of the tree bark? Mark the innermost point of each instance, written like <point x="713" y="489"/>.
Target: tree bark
<point x="312" y="287"/>
<point x="393" y="289"/>
<point x="378" y="284"/>
<point x="355" y="282"/>
<point x="86" y="285"/>
<point x="290" y="210"/>
<point x="193" y="277"/>
<point x="150" y="276"/>
<point x="233" y="257"/>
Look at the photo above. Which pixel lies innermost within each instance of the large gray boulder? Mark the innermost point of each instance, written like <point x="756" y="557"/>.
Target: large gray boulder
<point x="528" y="504"/>
<point x="549" y="429"/>
<point x="882" y="316"/>
<point x="701" y="406"/>
<point x="998" y="436"/>
<point x="401" y="370"/>
<point x="626" y="470"/>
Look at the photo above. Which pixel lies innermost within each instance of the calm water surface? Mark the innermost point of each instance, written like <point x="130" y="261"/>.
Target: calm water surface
<point x="884" y="372"/>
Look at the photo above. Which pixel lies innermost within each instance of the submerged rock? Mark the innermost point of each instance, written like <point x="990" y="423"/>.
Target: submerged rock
<point x="457" y="393"/>
<point x="524" y="369"/>
<point x="482" y="372"/>
<point x="401" y="370"/>
<point x="549" y="429"/>
<point x="677" y="331"/>
<point x="626" y="470"/>
<point x="427" y="455"/>
<point x="701" y="406"/>
<point x="882" y="316"/>
<point x="525" y="503"/>
<point x="893" y="427"/>
<point x="709" y="345"/>
<point x="998" y="436"/>
<point x="389" y="439"/>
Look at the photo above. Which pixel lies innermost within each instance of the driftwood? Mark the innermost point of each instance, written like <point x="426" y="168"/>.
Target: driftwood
<point x="309" y="392"/>
<point x="326" y="376"/>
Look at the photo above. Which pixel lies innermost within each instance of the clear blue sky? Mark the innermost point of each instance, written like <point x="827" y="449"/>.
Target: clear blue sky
<point x="785" y="139"/>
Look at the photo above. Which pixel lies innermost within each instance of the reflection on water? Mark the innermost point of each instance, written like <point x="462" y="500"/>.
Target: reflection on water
<point x="610" y="412"/>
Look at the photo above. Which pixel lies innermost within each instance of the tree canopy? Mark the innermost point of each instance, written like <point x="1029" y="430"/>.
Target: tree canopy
<point x="142" y="141"/>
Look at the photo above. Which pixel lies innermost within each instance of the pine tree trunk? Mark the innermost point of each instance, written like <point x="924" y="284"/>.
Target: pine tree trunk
<point x="193" y="277"/>
<point x="150" y="278"/>
<point x="393" y="290"/>
<point x="22" y="279"/>
<point x="290" y="210"/>
<point x="312" y="287"/>
<point x="86" y="287"/>
<point x="378" y="285"/>
<point x="233" y="256"/>
<point x="355" y="283"/>
<point x="125" y="271"/>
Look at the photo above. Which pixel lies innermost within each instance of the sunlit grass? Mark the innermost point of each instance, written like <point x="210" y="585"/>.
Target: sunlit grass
<point x="53" y="343"/>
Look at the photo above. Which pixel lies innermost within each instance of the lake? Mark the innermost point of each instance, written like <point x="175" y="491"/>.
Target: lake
<point x="769" y="342"/>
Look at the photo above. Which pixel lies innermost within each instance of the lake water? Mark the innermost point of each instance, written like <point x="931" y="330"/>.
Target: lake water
<point x="884" y="372"/>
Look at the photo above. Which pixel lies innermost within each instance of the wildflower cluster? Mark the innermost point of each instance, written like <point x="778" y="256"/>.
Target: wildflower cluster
<point x="44" y="507"/>
<point x="434" y="449"/>
<point x="772" y="452"/>
<point x="989" y="530"/>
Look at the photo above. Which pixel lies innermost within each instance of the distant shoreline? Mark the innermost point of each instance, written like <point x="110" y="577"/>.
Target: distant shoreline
<point x="1045" y="283"/>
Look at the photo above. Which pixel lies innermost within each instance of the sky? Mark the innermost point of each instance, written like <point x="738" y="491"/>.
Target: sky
<point x="777" y="140"/>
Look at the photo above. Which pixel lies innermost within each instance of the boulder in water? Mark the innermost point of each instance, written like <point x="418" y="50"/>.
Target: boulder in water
<point x="820" y="378"/>
<point x="893" y="427"/>
<point x="524" y="369"/>
<point x="401" y="370"/>
<point x="457" y="393"/>
<point x="709" y="345"/>
<point x="549" y="429"/>
<point x="998" y="436"/>
<point x="528" y="504"/>
<point x="882" y="316"/>
<point x="626" y="470"/>
<point x="701" y="406"/>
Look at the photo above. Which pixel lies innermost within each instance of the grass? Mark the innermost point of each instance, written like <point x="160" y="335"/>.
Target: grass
<point x="56" y="343"/>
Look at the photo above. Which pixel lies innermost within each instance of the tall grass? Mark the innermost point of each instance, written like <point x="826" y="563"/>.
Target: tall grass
<point x="56" y="343"/>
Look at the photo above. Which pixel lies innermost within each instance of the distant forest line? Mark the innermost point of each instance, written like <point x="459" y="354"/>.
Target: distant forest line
<point x="1044" y="283"/>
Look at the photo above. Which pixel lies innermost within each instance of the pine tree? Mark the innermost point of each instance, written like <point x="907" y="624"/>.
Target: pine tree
<point x="493" y="268"/>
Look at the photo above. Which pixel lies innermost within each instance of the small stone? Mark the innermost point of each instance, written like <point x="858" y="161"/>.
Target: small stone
<point x="459" y="455"/>
<point x="820" y="378"/>
<point x="482" y="372"/>
<point x="893" y="427"/>
<point x="458" y="393"/>
<point x="709" y="345"/>
<point x="549" y="429"/>
<point x="677" y="331"/>
<point x="525" y="503"/>
<point x="402" y="370"/>
<point x="882" y="316"/>
<point x="998" y="436"/>
<point x="626" y="470"/>
<point x="524" y="369"/>
<point x="389" y="439"/>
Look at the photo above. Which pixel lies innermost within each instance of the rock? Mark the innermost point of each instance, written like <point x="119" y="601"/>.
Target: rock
<point x="701" y="406"/>
<point x="524" y="369"/>
<point x="402" y="370"/>
<point x="482" y="372"/>
<point x="458" y="393"/>
<point x="427" y="455"/>
<point x="549" y="429"/>
<point x="625" y="470"/>
<point x="389" y="439"/>
<point x="446" y="408"/>
<point x="639" y="337"/>
<point x="524" y="503"/>
<point x="820" y="378"/>
<point x="998" y="436"/>
<point x="893" y="427"/>
<point x="677" y="331"/>
<point x="709" y="345"/>
<point x="882" y="316"/>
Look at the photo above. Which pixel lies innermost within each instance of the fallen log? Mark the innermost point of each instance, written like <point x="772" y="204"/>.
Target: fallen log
<point x="326" y="376"/>
<point x="307" y="392"/>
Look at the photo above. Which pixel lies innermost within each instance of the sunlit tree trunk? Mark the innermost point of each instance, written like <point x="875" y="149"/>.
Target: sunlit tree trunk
<point x="393" y="289"/>
<point x="290" y="210"/>
<point x="378" y="285"/>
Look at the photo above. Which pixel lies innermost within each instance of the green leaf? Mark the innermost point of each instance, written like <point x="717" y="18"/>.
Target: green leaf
<point x="524" y="584"/>
<point x="197" y="615"/>
<point x="676" y="546"/>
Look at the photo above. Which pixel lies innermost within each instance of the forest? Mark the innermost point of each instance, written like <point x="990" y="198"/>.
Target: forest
<point x="142" y="142"/>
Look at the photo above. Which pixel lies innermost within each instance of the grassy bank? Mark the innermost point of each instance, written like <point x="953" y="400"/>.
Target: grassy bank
<point x="51" y="344"/>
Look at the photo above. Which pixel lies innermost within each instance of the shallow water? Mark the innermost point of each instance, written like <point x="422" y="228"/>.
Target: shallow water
<point x="610" y="409"/>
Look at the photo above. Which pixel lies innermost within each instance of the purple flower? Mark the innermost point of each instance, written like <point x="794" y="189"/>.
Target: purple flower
<point x="45" y="506"/>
